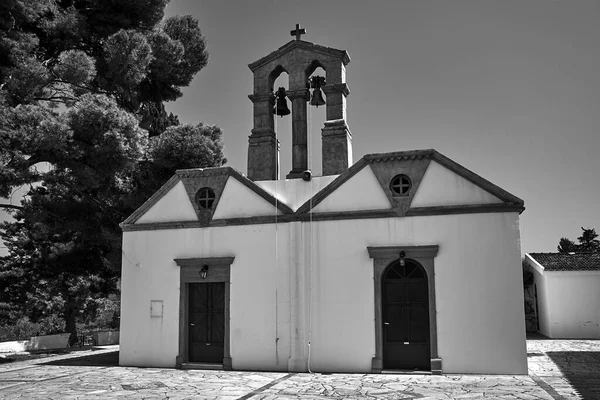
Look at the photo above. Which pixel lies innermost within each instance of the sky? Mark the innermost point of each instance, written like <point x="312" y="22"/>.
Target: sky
<point x="509" y="89"/>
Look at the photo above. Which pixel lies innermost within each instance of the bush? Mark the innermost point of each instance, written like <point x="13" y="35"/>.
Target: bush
<point x="24" y="329"/>
<point x="103" y="314"/>
<point x="51" y="324"/>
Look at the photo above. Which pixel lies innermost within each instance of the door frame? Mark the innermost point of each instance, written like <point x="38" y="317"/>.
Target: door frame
<point x="219" y="270"/>
<point x="382" y="257"/>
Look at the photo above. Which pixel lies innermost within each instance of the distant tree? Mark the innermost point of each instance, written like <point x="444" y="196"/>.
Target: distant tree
<point x="82" y="89"/>
<point x="566" y="245"/>
<point x="587" y="243"/>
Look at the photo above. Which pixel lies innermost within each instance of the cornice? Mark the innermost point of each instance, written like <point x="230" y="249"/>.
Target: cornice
<point x="387" y="252"/>
<point x="198" y="261"/>
<point x="511" y="203"/>
<point x="336" y="88"/>
<point x="326" y="216"/>
<point x="342" y="55"/>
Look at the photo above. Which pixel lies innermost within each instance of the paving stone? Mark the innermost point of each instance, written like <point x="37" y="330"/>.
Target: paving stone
<point x="570" y="369"/>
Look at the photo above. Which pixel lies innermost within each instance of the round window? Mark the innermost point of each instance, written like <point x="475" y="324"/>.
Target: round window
<point x="400" y="185"/>
<point x="205" y="197"/>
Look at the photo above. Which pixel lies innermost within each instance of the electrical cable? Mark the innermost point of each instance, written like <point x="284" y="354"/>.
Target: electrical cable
<point x="310" y="165"/>
<point x="276" y="244"/>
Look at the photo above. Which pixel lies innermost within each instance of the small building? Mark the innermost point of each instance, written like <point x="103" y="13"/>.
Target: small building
<point x="567" y="294"/>
<point x="403" y="260"/>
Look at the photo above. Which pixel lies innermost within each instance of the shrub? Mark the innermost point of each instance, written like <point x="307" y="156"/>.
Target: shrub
<point x="24" y="329"/>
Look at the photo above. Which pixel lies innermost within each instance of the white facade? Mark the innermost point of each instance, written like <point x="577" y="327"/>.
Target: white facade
<point x="568" y="302"/>
<point x="309" y="279"/>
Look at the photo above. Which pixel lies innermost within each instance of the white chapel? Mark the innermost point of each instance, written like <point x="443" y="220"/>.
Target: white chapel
<point x="399" y="261"/>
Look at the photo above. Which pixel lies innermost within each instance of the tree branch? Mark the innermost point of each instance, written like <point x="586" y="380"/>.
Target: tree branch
<point x="11" y="206"/>
<point x="56" y="99"/>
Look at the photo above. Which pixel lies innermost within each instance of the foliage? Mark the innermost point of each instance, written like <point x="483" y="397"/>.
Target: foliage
<point x="588" y="243"/>
<point x="566" y="245"/>
<point x="103" y="314"/>
<point x="24" y="328"/>
<point x="83" y="124"/>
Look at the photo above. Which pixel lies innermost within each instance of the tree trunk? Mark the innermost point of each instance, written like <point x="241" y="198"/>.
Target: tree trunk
<point x="70" y="324"/>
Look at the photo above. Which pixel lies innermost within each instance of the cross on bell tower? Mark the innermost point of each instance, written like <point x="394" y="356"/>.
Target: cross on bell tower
<point x="299" y="59"/>
<point x="298" y="31"/>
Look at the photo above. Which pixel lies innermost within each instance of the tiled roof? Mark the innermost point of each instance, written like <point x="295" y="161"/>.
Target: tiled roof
<point x="568" y="261"/>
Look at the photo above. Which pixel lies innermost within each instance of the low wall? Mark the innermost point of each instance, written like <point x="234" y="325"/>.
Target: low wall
<point x="49" y="342"/>
<point x="15" y="346"/>
<point x="104" y="338"/>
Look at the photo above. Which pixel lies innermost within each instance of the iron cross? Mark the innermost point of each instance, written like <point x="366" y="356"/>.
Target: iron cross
<point x="298" y="31"/>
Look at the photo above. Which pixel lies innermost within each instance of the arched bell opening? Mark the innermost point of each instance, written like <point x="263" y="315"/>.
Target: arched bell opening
<point x="316" y="77"/>
<point x="405" y="316"/>
<point x="274" y="75"/>
<point x="282" y="124"/>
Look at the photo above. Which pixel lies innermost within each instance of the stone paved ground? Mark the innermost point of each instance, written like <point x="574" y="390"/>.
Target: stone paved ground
<point x="559" y="369"/>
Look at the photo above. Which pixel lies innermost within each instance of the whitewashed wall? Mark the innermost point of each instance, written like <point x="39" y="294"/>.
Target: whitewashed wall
<point x="442" y="187"/>
<point x="542" y="301"/>
<point x="574" y="304"/>
<point x="478" y="289"/>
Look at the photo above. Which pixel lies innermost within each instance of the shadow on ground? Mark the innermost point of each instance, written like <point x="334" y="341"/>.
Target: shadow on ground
<point x="95" y="360"/>
<point x="582" y="369"/>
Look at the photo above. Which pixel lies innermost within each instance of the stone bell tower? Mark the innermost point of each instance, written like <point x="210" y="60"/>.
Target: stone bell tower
<point x="299" y="59"/>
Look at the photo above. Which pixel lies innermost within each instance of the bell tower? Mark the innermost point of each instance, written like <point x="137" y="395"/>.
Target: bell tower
<point x="299" y="59"/>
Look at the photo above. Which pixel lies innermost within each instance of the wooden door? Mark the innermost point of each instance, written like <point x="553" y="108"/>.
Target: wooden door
<point x="405" y="300"/>
<point x="206" y="322"/>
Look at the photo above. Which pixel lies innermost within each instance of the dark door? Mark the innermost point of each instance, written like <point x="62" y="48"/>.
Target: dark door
<point x="206" y="322"/>
<point x="405" y="317"/>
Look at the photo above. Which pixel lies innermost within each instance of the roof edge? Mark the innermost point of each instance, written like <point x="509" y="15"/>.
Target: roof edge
<point x="291" y="45"/>
<point x="147" y="205"/>
<point x="533" y="262"/>
<point x="477" y="179"/>
<point x="250" y="184"/>
<point x="312" y="202"/>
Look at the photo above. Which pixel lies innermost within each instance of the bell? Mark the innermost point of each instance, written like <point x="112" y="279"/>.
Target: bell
<point x="317" y="98"/>
<point x="281" y="108"/>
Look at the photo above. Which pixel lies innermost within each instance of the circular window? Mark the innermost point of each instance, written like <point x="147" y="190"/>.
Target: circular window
<point x="205" y="197"/>
<point x="400" y="185"/>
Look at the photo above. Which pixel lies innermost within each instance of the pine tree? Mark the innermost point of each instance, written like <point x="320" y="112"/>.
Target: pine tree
<point x="82" y="90"/>
<point x="587" y="243"/>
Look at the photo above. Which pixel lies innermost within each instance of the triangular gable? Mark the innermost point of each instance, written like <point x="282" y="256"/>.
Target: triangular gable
<point x="488" y="186"/>
<point x="360" y="192"/>
<point x="301" y="45"/>
<point x="414" y="164"/>
<point x="172" y="206"/>
<point x="164" y="189"/>
<point x="195" y="179"/>
<point x="188" y="182"/>
<point x="442" y="187"/>
<point x="216" y="179"/>
<point x="238" y="201"/>
<point x="385" y="167"/>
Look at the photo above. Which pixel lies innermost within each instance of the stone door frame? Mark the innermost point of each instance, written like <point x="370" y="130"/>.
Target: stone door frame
<point x="219" y="270"/>
<point x="382" y="257"/>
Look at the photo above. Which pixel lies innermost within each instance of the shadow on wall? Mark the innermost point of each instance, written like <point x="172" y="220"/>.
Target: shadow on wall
<point x="582" y="369"/>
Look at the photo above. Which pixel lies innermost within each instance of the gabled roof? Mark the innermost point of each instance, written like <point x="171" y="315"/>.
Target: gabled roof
<point x="567" y="261"/>
<point x="383" y="166"/>
<point x="414" y="155"/>
<point x="301" y="44"/>
<point x="194" y="178"/>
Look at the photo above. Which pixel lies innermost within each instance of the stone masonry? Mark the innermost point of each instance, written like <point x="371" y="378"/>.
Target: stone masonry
<point x="299" y="59"/>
